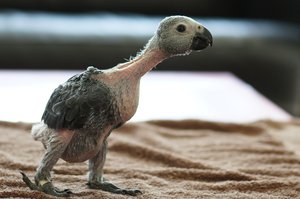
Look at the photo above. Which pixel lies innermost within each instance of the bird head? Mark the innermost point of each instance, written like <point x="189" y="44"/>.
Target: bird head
<point x="180" y="35"/>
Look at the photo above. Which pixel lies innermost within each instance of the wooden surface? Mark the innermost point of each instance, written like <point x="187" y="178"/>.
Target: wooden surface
<point x="216" y="96"/>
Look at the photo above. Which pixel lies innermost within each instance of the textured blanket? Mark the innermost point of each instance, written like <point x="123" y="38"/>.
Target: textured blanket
<point x="170" y="159"/>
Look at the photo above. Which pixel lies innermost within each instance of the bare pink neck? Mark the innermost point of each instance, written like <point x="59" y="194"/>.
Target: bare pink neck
<point x="142" y="64"/>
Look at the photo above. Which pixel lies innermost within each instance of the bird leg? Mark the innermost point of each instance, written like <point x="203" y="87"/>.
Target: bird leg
<point x="56" y="146"/>
<point x="95" y="177"/>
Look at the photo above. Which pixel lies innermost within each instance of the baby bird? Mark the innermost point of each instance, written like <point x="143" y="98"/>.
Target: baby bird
<point x="82" y="112"/>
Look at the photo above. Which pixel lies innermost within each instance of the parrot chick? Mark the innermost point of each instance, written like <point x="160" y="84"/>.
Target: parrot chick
<point x="82" y="112"/>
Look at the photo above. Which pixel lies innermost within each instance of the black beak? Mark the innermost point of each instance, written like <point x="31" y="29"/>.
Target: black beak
<point x="202" y="40"/>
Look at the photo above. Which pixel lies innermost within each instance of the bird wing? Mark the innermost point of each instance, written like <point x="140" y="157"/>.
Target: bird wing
<point x="75" y="102"/>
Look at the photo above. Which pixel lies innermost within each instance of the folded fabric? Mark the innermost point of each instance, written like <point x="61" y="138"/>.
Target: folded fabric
<point x="170" y="159"/>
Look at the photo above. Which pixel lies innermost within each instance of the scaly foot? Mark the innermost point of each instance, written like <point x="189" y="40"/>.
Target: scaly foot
<point x="107" y="186"/>
<point x="46" y="187"/>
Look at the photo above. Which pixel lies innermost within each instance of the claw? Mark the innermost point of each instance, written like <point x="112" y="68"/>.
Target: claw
<point x="46" y="187"/>
<point x="50" y="189"/>
<point x="132" y="192"/>
<point x="63" y="191"/>
<point x="136" y="191"/>
<point x="28" y="182"/>
<point x="106" y="186"/>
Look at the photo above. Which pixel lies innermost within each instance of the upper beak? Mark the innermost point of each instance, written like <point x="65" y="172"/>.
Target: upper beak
<point x="206" y="34"/>
<point x="202" y="40"/>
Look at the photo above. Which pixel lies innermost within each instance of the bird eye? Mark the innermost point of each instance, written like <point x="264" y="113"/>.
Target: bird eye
<point x="181" y="28"/>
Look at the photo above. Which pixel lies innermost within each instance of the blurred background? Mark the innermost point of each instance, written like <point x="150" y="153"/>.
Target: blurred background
<point x="258" y="41"/>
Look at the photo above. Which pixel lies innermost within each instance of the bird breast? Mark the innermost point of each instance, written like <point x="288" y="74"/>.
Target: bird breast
<point x="124" y="90"/>
<point x="127" y="98"/>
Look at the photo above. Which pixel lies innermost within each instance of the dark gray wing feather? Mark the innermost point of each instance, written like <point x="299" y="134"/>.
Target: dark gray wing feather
<point x="74" y="102"/>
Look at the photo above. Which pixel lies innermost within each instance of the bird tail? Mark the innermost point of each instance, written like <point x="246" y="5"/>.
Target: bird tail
<point x="40" y="131"/>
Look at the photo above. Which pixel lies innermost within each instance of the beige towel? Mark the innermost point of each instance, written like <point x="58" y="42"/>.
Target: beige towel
<point x="170" y="159"/>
